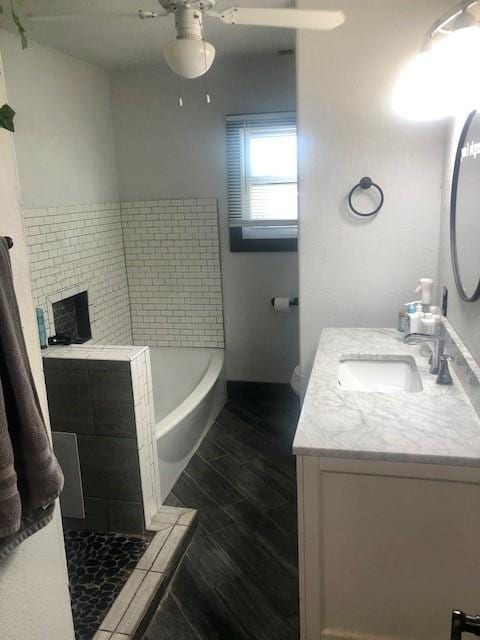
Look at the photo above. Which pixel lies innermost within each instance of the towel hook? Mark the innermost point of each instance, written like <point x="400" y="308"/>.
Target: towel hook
<point x="366" y="183"/>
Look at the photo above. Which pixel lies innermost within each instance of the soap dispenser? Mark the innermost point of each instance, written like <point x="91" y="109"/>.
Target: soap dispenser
<point x="437" y="319"/>
<point x="428" y="323"/>
<point x="410" y="311"/>
<point x="425" y="285"/>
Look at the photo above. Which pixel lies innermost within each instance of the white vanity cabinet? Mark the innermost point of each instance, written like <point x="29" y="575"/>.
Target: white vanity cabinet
<point x="388" y="497"/>
<point x="386" y="550"/>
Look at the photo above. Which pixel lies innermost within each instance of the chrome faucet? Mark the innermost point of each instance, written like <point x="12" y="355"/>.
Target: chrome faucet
<point x="438" y="346"/>
<point x="444" y="375"/>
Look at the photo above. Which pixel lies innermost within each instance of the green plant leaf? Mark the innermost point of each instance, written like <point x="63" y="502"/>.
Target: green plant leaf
<point x="18" y="23"/>
<point x="6" y="118"/>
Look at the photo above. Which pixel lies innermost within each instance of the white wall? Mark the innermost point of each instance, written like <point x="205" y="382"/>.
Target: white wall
<point x="33" y="581"/>
<point x="166" y="152"/>
<point x="464" y="316"/>
<point x="68" y="175"/>
<point x="64" y="139"/>
<point x="355" y="272"/>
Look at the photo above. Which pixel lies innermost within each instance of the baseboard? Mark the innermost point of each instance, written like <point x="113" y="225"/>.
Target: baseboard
<point x="342" y="634"/>
<point x="239" y="390"/>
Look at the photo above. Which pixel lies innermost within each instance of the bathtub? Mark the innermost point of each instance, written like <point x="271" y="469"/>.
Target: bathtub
<point x="189" y="391"/>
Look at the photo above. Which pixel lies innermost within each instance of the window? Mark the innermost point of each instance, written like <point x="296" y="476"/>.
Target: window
<point x="262" y="182"/>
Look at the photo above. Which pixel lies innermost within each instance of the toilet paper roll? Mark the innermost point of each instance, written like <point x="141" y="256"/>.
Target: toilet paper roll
<point x="281" y="305"/>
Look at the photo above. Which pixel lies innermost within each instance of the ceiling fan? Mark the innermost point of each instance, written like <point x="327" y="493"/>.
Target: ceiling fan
<point x="190" y="55"/>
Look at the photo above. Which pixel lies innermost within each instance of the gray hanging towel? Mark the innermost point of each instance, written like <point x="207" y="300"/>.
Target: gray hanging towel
<point x="30" y="477"/>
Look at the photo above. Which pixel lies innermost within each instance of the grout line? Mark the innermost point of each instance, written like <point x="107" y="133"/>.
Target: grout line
<point x="228" y="481"/>
<point x="146" y="593"/>
<point x="186" y="618"/>
<point x="181" y="505"/>
<point x="157" y="536"/>
<point x="126" y="271"/>
<point x="209" y="494"/>
<point x="127" y="603"/>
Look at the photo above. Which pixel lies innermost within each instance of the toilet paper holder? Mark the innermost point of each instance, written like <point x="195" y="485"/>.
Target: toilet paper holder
<point x="293" y="302"/>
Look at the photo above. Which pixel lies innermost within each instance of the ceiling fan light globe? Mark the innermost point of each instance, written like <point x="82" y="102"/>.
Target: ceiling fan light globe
<point x="189" y="58"/>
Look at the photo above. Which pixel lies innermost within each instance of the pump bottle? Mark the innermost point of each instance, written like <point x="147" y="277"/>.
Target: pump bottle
<point x="425" y="285"/>
<point x="415" y="316"/>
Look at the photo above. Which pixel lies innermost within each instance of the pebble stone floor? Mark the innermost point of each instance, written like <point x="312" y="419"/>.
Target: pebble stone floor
<point x="98" y="566"/>
<point x="239" y="577"/>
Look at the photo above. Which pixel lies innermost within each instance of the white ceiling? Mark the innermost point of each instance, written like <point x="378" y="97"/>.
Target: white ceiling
<point x="121" y="42"/>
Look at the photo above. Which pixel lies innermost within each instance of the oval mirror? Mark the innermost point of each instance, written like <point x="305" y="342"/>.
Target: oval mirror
<point x="465" y="211"/>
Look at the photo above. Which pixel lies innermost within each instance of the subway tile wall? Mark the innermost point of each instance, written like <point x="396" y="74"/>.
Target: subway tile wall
<point x="173" y="268"/>
<point x="151" y="268"/>
<point x="80" y="247"/>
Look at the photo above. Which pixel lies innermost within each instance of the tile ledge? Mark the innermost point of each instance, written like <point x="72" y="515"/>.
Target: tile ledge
<point x="145" y="587"/>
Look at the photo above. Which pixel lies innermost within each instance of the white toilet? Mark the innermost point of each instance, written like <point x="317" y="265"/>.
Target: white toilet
<point x="296" y="380"/>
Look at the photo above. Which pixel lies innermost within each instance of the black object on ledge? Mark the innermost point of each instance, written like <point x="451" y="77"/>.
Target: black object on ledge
<point x="366" y="183"/>
<point x="59" y="339"/>
<point x="9" y="242"/>
<point x="463" y="623"/>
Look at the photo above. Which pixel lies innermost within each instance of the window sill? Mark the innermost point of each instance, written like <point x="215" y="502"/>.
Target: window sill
<point x="238" y="243"/>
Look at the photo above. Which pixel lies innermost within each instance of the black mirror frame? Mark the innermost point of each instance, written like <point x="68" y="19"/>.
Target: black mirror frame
<point x="453" y="215"/>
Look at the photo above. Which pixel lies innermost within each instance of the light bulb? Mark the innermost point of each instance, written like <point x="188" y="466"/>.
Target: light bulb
<point x="458" y="55"/>
<point x="420" y="93"/>
<point x="442" y="81"/>
<point x="188" y="57"/>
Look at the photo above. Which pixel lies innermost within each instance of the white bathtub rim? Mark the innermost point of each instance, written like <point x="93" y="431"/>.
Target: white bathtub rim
<point x="202" y="389"/>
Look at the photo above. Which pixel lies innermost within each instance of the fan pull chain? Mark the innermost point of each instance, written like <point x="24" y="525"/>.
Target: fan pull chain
<point x="180" y="99"/>
<point x="207" y="95"/>
<point x="205" y="75"/>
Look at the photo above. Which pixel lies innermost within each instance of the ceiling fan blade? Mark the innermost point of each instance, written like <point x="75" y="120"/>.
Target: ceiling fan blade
<point x="284" y="18"/>
<point x="64" y="17"/>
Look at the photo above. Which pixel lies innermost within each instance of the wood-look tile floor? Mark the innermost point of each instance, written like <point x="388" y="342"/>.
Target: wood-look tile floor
<point x="239" y="577"/>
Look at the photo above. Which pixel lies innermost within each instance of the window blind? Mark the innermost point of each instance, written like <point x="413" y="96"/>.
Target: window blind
<point x="262" y="171"/>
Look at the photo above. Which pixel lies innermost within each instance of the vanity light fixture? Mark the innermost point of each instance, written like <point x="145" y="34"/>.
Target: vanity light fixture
<point x="442" y="80"/>
<point x="419" y="93"/>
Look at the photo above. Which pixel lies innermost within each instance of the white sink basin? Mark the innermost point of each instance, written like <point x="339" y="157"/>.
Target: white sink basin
<point x="384" y="374"/>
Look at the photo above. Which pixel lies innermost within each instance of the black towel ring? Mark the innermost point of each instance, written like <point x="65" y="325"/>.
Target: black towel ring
<point x="366" y="183"/>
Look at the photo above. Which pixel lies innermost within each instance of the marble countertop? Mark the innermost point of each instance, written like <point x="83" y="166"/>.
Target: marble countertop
<point x="437" y="426"/>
